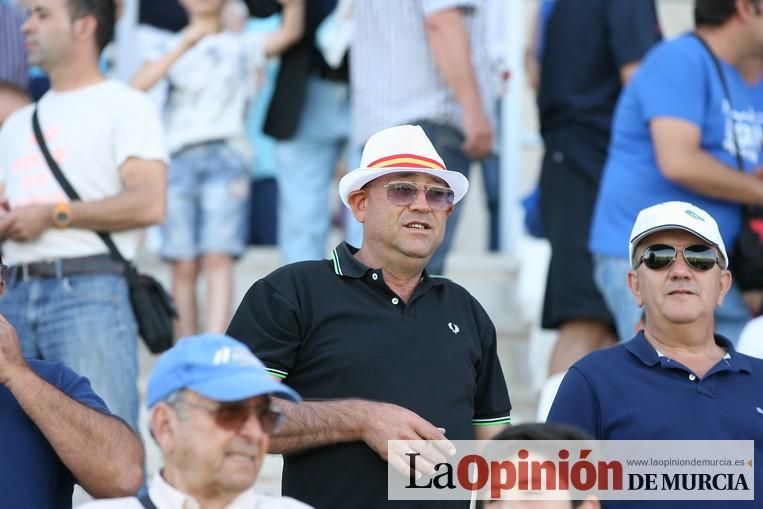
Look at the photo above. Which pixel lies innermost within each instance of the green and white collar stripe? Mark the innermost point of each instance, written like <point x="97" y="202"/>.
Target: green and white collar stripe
<point x="492" y="421"/>
<point x="335" y="259"/>
<point x="277" y="373"/>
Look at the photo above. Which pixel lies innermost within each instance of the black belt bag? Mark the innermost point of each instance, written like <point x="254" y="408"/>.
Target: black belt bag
<point x="153" y="306"/>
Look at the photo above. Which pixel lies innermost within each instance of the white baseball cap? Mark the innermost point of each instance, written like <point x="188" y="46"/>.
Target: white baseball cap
<point x="401" y="149"/>
<point x="677" y="215"/>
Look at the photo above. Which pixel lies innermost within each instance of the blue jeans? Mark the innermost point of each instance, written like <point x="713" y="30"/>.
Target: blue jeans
<point x="306" y="166"/>
<point x="610" y="275"/>
<point x="85" y="321"/>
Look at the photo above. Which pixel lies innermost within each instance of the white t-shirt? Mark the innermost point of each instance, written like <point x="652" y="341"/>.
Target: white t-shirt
<point x="209" y="87"/>
<point x="751" y="338"/>
<point x="90" y="132"/>
<point x="165" y="496"/>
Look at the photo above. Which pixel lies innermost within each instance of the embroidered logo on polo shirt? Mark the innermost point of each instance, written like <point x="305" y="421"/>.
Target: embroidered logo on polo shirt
<point x="454" y="328"/>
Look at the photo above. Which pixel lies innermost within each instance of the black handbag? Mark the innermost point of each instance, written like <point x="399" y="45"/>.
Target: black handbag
<point x="153" y="307"/>
<point x="747" y="256"/>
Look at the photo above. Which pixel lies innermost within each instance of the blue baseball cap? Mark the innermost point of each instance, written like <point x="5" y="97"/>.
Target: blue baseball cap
<point x="216" y="366"/>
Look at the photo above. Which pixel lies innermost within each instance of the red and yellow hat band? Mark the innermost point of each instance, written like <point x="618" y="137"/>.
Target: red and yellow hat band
<point x="406" y="161"/>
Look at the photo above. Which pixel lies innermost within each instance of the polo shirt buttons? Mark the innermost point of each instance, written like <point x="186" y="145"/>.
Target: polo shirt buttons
<point x="395" y="300"/>
<point x="374" y="276"/>
<point x="692" y="377"/>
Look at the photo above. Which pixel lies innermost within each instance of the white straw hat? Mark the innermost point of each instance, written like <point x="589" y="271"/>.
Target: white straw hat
<point x="401" y="149"/>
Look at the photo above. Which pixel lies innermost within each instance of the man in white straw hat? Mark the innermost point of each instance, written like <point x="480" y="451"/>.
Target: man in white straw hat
<point x="378" y="349"/>
<point x="676" y="379"/>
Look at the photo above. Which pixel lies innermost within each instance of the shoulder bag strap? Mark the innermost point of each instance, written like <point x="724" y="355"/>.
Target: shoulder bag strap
<point x="66" y="186"/>
<point x="146" y="502"/>
<point x="726" y="94"/>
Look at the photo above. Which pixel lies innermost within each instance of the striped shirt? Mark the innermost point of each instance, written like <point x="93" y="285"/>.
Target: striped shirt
<point x="13" y="67"/>
<point x="394" y="77"/>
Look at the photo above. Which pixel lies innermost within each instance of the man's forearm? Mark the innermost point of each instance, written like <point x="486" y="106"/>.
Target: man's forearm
<point x="705" y="175"/>
<point x="142" y="202"/>
<point x="101" y="451"/>
<point x="315" y="423"/>
<point x="450" y="46"/>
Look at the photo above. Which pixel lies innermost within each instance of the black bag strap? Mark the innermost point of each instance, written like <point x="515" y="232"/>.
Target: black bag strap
<point x="67" y="187"/>
<point x="726" y="94"/>
<point x="146" y="502"/>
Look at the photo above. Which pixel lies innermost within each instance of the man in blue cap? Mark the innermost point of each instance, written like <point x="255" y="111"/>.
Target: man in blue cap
<point x="212" y="416"/>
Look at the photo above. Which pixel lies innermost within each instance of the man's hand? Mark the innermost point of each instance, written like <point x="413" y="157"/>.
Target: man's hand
<point x="26" y="223"/>
<point x="386" y="422"/>
<point x="11" y="360"/>
<point x="478" y="134"/>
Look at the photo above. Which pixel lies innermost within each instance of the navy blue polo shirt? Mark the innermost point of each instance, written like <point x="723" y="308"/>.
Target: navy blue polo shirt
<point x="586" y="43"/>
<point x="630" y="392"/>
<point x="31" y="474"/>
<point x="332" y="329"/>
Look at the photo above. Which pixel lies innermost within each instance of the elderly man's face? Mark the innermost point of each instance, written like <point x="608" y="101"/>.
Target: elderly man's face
<point x="207" y="451"/>
<point x="414" y="230"/>
<point x="679" y="293"/>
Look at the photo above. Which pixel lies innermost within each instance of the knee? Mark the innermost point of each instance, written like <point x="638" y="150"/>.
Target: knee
<point x="186" y="270"/>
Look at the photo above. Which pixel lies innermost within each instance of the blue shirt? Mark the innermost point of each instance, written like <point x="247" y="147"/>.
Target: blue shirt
<point x="31" y="474"/>
<point x="677" y="79"/>
<point x="630" y="392"/>
<point x="586" y="43"/>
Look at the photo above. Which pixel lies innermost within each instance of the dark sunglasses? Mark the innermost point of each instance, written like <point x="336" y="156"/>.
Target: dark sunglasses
<point x="3" y="272"/>
<point x="232" y="416"/>
<point x="699" y="257"/>
<point x="404" y="193"/>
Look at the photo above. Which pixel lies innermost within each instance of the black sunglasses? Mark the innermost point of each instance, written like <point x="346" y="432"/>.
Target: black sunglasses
<point x="699" y="257"/>
<point x="404" y="193"/>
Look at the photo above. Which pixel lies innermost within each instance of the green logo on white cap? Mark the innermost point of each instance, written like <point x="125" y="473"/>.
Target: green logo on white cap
<point x="693" y="214"/>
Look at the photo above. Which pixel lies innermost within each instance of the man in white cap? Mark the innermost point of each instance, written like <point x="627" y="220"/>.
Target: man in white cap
<point x="378" y="348"/>
<point x="212" y="415"/>
<point x="676" y="379"/>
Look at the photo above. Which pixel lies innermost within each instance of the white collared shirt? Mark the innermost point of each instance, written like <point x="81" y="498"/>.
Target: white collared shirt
<point x="165" y="496"/>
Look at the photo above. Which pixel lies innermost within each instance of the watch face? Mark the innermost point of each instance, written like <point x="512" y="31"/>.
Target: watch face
<point x="62" y="216"/>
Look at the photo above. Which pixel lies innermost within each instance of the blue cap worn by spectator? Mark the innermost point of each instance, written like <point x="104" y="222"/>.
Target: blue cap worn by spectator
<point x="217" y="367"/>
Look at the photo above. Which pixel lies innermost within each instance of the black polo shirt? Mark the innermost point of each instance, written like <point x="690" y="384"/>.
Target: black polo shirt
<point x="333" y="329"/>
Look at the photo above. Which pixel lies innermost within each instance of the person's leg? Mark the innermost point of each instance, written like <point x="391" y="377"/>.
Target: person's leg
<point x="179" y="234"/>
<point x="732" y="316"/>
<point x="447" y="141"/>
<point x="306" y="167"/>
<point x="491" y="168"/>
<point x="87" y="322"/>
<point x="611" y="277"/>
<point x="185" y="273"/>
<point x="224" y="201"/>
<point x="572" y="303"/>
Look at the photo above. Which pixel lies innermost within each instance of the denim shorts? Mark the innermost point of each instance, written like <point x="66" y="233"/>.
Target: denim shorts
<point x="207" y="199"/>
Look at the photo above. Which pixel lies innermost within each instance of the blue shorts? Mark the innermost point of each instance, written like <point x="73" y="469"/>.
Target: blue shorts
<point x="207" y="199"/>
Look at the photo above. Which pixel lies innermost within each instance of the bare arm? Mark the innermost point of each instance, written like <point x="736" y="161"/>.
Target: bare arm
<point x="101" y="451"/>
<point x="682" y="161"/>
<point x="154" y="71"/>
<point x="488" y="432"/>
<point x="141" y="203"/>
<point x="316" y="423"/>
<point x="449" y="41"/>
<point x="291" y="29"/>
<point x="626" y="72"/>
